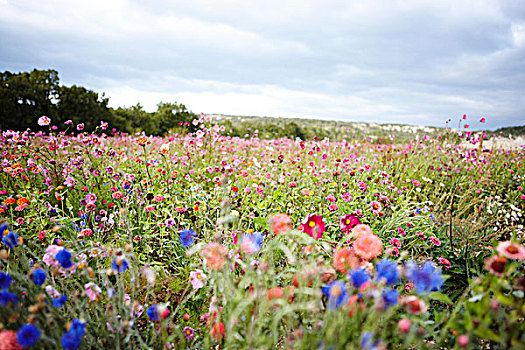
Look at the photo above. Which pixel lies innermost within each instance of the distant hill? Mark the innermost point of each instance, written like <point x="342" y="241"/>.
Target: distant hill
<point x="270" y="127"/>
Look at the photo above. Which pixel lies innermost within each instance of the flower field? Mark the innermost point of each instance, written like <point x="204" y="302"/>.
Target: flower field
<point x="203" y="240"/>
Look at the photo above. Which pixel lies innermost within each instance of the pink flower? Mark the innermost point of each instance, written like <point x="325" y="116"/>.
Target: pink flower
<point x="482" y="120"/>
<point x="281" y="223"/>
<point x="80" y="127"/>
<point x="362" y="185"/>
<point x="348" y="222"/>
<point x="305" y="192"/>
<point x="375" y="206"/>
<point x="331" y="198"/>
<point x="445" y="262"/>
<point x="43" y="121"/>
<point x="496" y="265"/>
<point x="347" y="197"/>
<point x="511" y="250"/>
<point x="404" y="325"/>
<point x="463" y="340"/>
<point x="92" y="290"/>
<point x="395" y="242"/>
<point x="464" y="116"/>
<point x="367" y="245"/>
<point x="8" y="340"/>
<point x="197" y="278"/>
<point x="414" y="305"/>
<point x="313" y="225"/>
<point x="333" y="207"/>
<point x="435" y="241"/>
<point x="345" y="259"/>
<point x="466" y="126"/>
<point x="215" y="255"/>
<point x="416" y="183"/>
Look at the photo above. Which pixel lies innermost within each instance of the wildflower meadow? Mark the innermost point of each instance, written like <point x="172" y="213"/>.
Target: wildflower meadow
<point x="200" y="240"/>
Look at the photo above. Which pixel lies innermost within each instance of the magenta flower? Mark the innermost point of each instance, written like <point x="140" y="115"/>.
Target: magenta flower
<point x="313" y="225"/>
<point x="347" y="222"/>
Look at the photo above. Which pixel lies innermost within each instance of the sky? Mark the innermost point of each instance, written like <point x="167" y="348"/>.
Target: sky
<point x="387" y="61"/>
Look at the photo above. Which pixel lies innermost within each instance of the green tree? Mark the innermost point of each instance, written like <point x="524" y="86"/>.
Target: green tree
<point x="82" y="106"/>
<point x="26" y="96"/>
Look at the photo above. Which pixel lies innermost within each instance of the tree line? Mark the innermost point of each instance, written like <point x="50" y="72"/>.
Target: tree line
<point x="26" y="96"/>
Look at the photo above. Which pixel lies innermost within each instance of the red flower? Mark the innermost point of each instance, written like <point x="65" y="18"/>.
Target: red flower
<point x="218" y="331"/>
<point x="313" y="225"/>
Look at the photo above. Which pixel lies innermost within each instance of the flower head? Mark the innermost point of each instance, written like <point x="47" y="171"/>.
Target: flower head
<point x="281" y="223"/>
<point x="426" y="278"/>
<point x="511" y="250"/>
<point x="386" y="269"/>
<point x="8" y="341"/>
<point x="359" y="277"/>
<point x="215" y="255"/>
<point x="345" y="259"/>
<point x="189" y="332"/>
<point x="5" y="280"/>
<point x="313" y="225"/>
<point x="119" y="264"/>
<point x="64" y="258"/>
<point x="251" y="243"/>
<point x="39" y="277"/>
<point x="43" y="121"/>
<point x="367" y="245"/>
<point x="496" y="265"/>
<point x="336" y="293"/>
<point x="347" y="222"/>
<point x="27" y="335"/>
<point x="187" y="237"/>
<point x="197" y="278"/>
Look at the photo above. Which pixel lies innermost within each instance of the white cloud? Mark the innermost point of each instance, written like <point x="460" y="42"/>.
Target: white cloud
<point x="375" y="60"/>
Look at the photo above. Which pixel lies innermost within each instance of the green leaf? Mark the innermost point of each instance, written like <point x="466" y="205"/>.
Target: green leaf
<point x="440" y="297"/>
<point x="486" y="333"/>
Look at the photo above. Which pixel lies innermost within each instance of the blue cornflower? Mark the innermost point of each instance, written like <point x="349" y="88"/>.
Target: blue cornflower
<point x="187" y="237"/>
<point x="59" y="302"/>
<point x="367" y="341"/>
<point x="78" y="328"/>
<point x="10" y="240"/>
<point x="6" y="298"/>
<point x="27" y="335"/>
<point x="119" y="264"/>
<point x="336" y="293"/>
<point x="432" y="216"/>
<point x="64" y="258"/>
<point x="153" y="313"/>
<point x="5" y="280"/>
<point x="251" y="243"/>
<point x="359" y="277"/>
<point x="69" y="341"/>
<point x="425" y="278"/>
<point x="390" y="297"/>
<point x="39" y="277"/>
<point x="418" y="211"/>
<point x="72" y="338"/>
<point x="387" y="269"/>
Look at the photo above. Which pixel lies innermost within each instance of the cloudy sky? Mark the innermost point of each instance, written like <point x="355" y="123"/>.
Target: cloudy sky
<point x="407" y="61"/>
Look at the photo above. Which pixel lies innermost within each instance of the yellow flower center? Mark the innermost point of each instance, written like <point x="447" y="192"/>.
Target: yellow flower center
<point x="311" y="223"/>
<point x="348" y="221"/>
<point x="199" y="276"/>
<point x="336" y="291"/>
